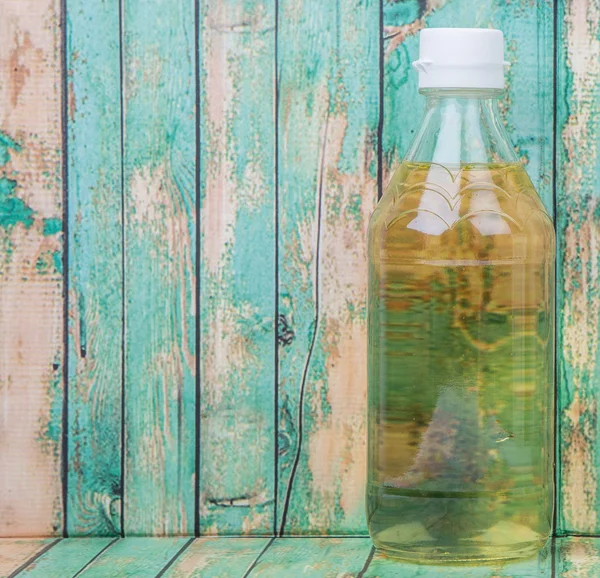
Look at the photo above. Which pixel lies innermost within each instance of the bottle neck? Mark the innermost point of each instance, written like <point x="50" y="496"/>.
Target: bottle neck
<point x="461" y="127"/>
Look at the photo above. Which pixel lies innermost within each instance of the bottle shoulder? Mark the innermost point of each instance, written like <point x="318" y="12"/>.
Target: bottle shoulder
<point x="435" y="207"/>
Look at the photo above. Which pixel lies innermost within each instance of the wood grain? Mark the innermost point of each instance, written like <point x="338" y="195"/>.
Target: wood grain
<point x="315" y="557"/>
<point x="528" y="102"/>
<point x="237" y="267"/>
<point x="160" y="268"/>
<point x="217" y="558"/>
<point x="66" y="558"/>
<point x="95" y="272"/>
<point x="578" y="228"/>
<point x="328" y="116"/>
<point x="14" y="553"/>
<point x="578" y="558"/>
<point x="31" y="255"/>
<point x="135" y="558"/>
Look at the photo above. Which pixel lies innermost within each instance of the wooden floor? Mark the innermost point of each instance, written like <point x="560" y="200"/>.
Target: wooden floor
<point x="265" y="557"/>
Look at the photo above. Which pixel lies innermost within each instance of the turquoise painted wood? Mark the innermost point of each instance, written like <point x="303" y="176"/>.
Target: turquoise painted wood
<point x="266" y="221"/>
<point x="263" y="557"/>
<point x="528" y="104"/>
<point x="16" y="553"/>
<point x="314" y="557"/>
<point x="578" y="558"/>
<point x="160" y="266"/>
<point x="578" y="228"/>
<point x="328" y="116"/>
<point x="237" y="265"/>
<point x="135" y="558"/>
<point x="217" y="558"/>
<point x="66" y="558"/>
<point x="95" y="282"/>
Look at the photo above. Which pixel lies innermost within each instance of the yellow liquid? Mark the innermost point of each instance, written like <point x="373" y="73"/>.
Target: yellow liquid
<point x="461" y="302"/>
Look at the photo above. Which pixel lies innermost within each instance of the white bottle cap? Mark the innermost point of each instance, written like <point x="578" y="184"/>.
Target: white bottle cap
<point x="461" y="58"/>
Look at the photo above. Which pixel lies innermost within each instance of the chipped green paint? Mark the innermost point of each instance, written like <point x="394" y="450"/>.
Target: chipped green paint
<point x="314" y="557"/>
<point x="65" y="558"/>
<point x="95" y="276"/>
<point x="13" y="210"/>
<point x="237" y="108"/>
<point x="328" y="116"/>
<point x="6" y="145"/>
<point x="578" y="230"/>
<point x="578" y="558"/>
<point x="51" y="434"/>
<point x="135" y="558"/>
<point x="52" y="226"/>
<point x="160" y="266"/>
<point x="217" y="558"/>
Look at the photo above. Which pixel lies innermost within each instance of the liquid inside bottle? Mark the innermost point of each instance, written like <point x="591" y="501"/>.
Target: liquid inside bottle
<point x="460" y="352"/>
<point x="460" y="327"/>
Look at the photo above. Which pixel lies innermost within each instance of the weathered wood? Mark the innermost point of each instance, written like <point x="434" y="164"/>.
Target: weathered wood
<point x="578" y="558"/>
<point x="66" y="558"/>
<point x="160" y="269"/>
<point x="31" y="254"/>
<point x="328" y="117"/>
<point x="385" y="567"/>
<point x="528" y="102"/>
<point x="237" y="267"/>
<point x="135" y="558"/>
<point x="578" y="228"/>
<point x="95" y="273"/>
<point x="315" y="557"/>
<point x="15" y="553"/>
<point x="217" y="558"/>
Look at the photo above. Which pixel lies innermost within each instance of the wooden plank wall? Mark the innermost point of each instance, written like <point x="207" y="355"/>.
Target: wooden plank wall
<point x="32" y="356"/>
<point x="578" y="234"/>
<point x="237" y="264"/>
<point x="95" y="276"/>
<point x="182" y="281"/>
<point x="328" y="113"/>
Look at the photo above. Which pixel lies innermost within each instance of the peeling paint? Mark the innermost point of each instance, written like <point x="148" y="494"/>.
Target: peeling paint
<point x="578" y="225"/>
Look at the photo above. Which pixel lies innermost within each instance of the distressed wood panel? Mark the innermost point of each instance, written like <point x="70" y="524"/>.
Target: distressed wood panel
<point x="135" y="558"/>
<point x="31" y="257"/>
<point x="238" y="267"/>
<point x="15" y="553"/>
<point x="578" y="228"/>
<point x="528" y="103"/>
<point x="538" y="567"/>
<point x="328" y="118"/>
<point x="160" y="267"/>
<point x="66" y="558"/>
<point x="95" y="272"/>
<point x="578" y="558"/>
<point x="217" y="558"/>
<point x="315" y="557"/>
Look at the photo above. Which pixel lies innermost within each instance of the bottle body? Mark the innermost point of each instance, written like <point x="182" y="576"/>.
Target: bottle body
<point x="461" y="367"/>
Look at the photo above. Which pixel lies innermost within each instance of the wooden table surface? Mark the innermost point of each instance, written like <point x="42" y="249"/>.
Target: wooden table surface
<point x="266" y="557"/>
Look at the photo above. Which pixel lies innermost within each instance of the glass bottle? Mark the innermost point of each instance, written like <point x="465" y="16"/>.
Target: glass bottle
<point x="461" y="327"/>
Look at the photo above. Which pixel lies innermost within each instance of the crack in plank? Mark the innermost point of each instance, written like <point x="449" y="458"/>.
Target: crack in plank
<point x="314" y="335"/>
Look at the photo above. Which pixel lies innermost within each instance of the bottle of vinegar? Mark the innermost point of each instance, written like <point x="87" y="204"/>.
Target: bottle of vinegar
<point x="461" y="334"/>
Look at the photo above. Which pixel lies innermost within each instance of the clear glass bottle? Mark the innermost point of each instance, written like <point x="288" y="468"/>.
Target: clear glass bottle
<point x="461" y="339"/>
